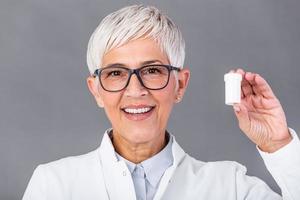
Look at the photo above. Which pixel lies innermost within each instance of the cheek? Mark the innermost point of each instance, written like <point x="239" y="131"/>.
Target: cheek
<point x="111" y="104"/>
<point x="166" y="99"/>
<point x="168" y="104"/>
<point x="168" y="93"/>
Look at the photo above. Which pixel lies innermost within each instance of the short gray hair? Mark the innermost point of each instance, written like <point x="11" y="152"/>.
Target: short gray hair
<point x="134" y="22"/>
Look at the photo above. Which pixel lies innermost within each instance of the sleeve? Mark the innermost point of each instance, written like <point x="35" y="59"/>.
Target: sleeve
<point x="36" y="189"/>
<point x="284" y="166"/>
<point x="252" y="188"/>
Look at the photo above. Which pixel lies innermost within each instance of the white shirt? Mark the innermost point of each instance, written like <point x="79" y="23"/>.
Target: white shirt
<point x="100" y="175"/>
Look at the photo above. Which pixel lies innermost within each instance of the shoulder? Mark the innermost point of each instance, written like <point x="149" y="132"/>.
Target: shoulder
<point x="215" y="168"/>
<point x="71" y="167"/>
<point x="194" y="167"/>
<point x="76" y="175"/>
<point x="73" y="161"/>
<point x="222" y="166"/>
<point x="224" y="174"/>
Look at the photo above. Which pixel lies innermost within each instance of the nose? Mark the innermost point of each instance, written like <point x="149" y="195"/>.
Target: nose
<point x="135" y="88"/>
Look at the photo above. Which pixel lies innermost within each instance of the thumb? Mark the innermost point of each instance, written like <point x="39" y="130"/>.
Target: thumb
<point x="241" y="112"/>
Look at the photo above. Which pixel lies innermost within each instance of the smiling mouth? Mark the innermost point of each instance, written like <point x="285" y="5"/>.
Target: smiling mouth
<point x="141" y="110"/>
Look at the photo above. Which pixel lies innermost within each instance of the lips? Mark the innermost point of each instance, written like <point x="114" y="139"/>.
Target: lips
<point x="137" y="110"/>
<point x="137" y="113"/>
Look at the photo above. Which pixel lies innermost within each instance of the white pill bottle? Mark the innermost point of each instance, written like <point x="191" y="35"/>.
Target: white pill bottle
<point x="232" y="88"/>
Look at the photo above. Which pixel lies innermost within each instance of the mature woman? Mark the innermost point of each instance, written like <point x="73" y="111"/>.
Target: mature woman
<point x="135" y="57"/>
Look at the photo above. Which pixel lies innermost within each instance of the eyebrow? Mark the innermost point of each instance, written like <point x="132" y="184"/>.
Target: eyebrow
<point x="148" y="62"/>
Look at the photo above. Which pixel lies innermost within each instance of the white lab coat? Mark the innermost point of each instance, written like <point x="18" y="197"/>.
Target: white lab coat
<point x="98" y="175"/>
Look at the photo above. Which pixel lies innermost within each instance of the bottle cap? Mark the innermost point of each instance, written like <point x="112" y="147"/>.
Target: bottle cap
<point x="232" y="76"/>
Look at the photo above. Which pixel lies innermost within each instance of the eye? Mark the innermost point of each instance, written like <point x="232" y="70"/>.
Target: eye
<point x="114" y="73"/>
<point x="152" y="70"/>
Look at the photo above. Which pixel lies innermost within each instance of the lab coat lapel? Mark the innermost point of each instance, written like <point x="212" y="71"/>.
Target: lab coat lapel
<point x="178" y="156"/>
<point x="117" y="178"/>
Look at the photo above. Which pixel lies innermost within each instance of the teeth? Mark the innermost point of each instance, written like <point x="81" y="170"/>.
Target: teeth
<point x="137" y="111"/>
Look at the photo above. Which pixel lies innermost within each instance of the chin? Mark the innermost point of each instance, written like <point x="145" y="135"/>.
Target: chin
<point x="141" y="136"/>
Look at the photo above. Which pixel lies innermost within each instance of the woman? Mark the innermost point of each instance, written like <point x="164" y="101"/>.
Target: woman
<point x="135" y="57"/>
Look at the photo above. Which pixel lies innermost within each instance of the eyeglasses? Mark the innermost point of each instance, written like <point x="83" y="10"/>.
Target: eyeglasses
<point x="152" y="77"/>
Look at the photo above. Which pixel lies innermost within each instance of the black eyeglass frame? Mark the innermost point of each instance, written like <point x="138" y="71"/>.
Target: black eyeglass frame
<point x="136" y="72"/>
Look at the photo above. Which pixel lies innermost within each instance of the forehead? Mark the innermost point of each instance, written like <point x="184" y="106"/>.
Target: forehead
<point x="135" y="53"/>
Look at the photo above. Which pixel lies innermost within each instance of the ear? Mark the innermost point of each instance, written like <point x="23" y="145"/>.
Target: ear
<point x="183" y="80"/>
<point x="93" y="86"/>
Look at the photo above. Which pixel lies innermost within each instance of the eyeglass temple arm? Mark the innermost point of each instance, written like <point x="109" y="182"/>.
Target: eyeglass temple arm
<point x="175" y="68"/>
<point x="96" y="73"/>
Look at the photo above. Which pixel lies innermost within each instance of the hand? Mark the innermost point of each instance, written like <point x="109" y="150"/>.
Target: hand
<point x="260" y="114"/>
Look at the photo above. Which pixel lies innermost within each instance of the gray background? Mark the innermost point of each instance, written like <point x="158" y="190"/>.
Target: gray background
<point x="47" y="113"/>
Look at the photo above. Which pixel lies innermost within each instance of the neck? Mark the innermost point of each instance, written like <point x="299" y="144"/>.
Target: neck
<point x="138" y="152"/>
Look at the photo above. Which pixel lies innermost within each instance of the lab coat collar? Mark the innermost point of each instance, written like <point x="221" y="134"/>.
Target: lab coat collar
<point x="117" y="178"/>
<point x="118" y="181"/>
<point x="178" y="157"/>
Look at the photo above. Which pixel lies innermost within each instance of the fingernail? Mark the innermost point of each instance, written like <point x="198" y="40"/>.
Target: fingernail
<point x="236" y="108"/>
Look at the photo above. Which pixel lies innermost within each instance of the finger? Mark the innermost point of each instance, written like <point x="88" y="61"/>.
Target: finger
<point x="255" y="90"/>
<point x="262" y="87"/>
<point x="246" y="86"/>
<point x="259" y="85"/>
<point x="249" y="76"/>
<point x="241" y="113"/>
<point x="240" y="71"/>
<point x="257" y="101"/>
